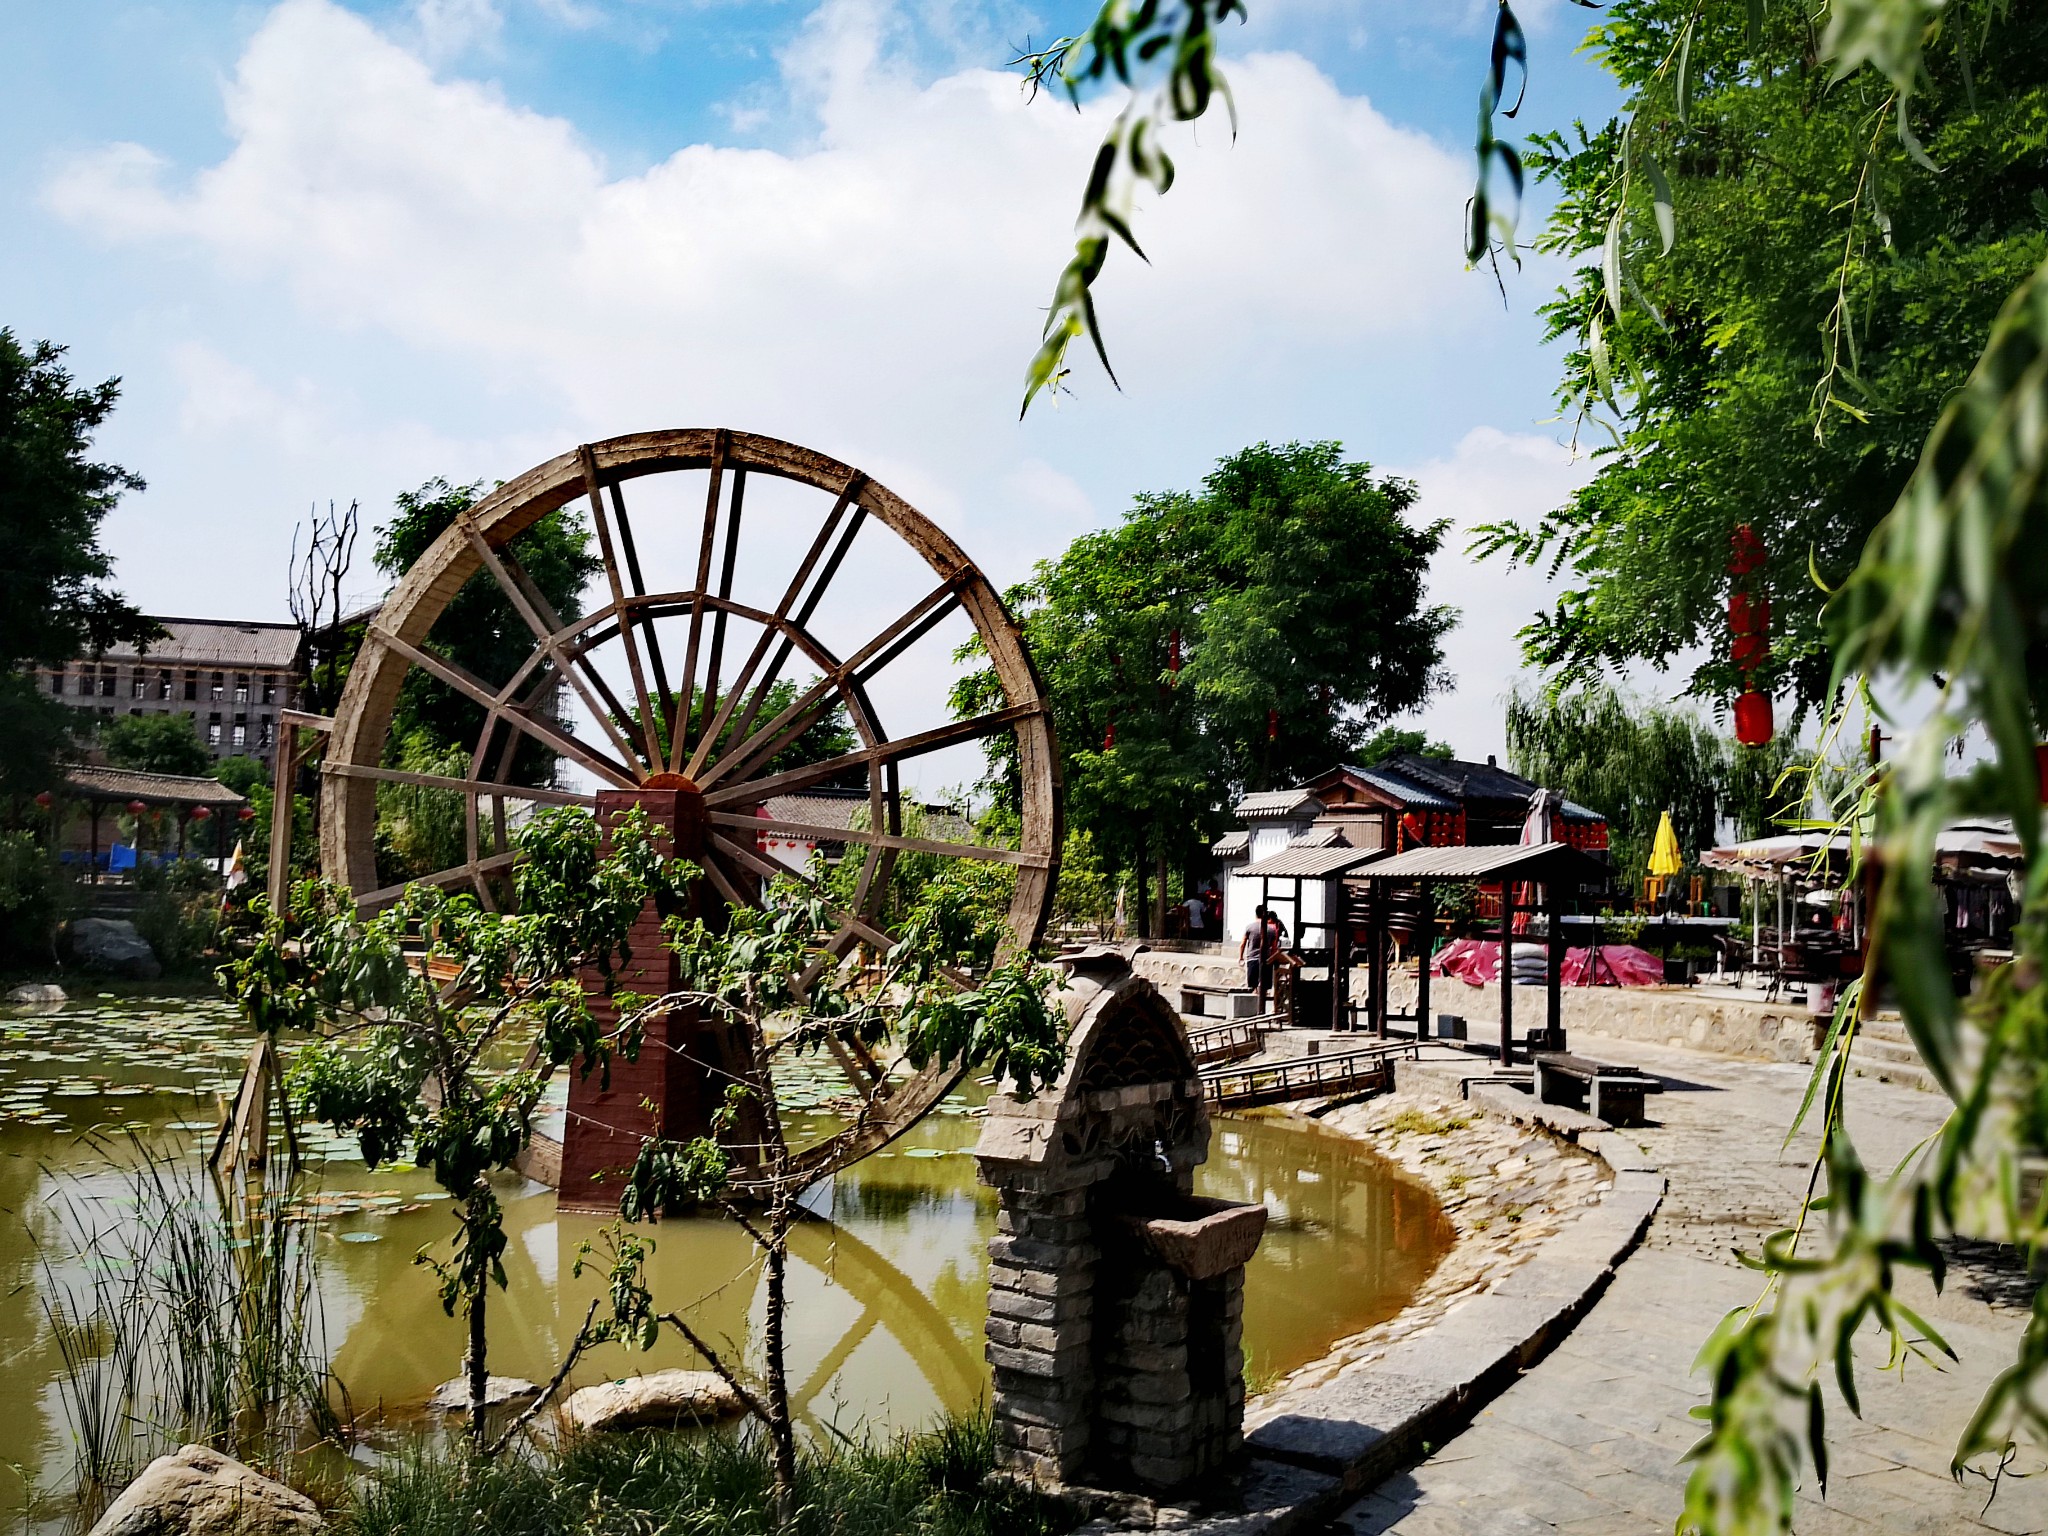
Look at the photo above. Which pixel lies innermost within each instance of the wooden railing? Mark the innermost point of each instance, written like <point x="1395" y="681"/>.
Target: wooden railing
<point x="1232" y="1041"/>
<point x="1368" y="1070"/>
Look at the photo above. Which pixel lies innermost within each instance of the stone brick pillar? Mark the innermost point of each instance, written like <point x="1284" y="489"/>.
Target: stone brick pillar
<point x="673" y="1087"/>
<point x="1040" y="1330"/>
<point x="1116" y="1296"/>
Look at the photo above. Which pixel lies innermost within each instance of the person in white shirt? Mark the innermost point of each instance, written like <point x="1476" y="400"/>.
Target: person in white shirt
<point x="1198" y="916"/>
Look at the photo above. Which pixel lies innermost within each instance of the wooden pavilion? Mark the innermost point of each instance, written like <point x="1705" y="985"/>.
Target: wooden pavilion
<point x="1564" y="873"/>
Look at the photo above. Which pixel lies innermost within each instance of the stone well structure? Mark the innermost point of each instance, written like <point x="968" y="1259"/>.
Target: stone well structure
<point x="1116" y="1296"/>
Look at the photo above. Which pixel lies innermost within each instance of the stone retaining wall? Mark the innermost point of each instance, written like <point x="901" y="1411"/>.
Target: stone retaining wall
<point x="1681" y="1016"/>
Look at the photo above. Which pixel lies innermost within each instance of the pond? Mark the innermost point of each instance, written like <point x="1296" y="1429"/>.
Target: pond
<point x="887" y="1296"/>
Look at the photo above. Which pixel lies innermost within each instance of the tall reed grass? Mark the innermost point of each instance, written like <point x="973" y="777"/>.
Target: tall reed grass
<point x="182" y="1311"/>
<point x="934" y="1484"/>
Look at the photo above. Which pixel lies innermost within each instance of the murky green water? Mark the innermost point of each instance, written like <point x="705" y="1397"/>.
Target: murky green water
<point x="887" y="1300"/>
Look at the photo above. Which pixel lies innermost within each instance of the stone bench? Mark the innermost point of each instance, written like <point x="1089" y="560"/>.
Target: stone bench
<point x="1606" y="1091"/>
<point x="1234" y="1002"/>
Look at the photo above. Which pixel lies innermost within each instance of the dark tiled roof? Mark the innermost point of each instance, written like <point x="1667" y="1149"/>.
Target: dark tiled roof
<point x="1409" y="794"/>
<point x="93" y="781"/>
<point x="941" y="823"/>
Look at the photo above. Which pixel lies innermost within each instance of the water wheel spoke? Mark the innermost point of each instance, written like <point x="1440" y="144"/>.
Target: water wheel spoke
<point x="817" y="833"/>
<point x="758" y="695"/>
<point x="719" y="444"/>
<point x="625" y="527"/>
<point x="473" y="788"/>
<point x="768" y="869"/>
<point x="812" y="705"/>
<point x="720" y="615"/>
<point x="470" y="870"/>
<point x="728" y="888"/>
<point x="650" y="728"/>
<point x="556" y="737"/>
<point x="715" y="725"/>
<point x="540" y="617"/>
<point x="752" y="791"/>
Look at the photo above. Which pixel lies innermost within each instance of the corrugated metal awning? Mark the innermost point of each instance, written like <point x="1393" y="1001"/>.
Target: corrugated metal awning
<point x="1487" y="861"/>
<point x="1232" y="845"/>
<point x="1300" y="863"/>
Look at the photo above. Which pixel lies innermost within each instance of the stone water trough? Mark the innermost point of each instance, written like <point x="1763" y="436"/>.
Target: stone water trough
<point x="1116" y="1295"/>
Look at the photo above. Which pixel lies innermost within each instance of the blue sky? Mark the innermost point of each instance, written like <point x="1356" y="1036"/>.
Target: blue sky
<point x="336" y="249"/>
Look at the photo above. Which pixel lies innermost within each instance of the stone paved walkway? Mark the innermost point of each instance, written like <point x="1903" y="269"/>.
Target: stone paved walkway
<point x="1589" y="1440"/>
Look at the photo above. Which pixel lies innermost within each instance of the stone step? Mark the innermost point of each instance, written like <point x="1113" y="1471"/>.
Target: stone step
<point x="1887" y="1052"/>
<point x="1904" y="1074"/>
<point x="1884" y="1028"/>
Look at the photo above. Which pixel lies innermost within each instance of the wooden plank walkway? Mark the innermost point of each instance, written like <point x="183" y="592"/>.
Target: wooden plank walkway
<point x="1367" y="1070"/>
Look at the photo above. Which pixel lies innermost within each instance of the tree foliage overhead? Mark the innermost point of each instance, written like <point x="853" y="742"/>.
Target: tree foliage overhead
<point x="55" y="598"/>
<point x="1781" y="288"/>
<point x="480" y="629"/>
<point x="1233" y="638"/>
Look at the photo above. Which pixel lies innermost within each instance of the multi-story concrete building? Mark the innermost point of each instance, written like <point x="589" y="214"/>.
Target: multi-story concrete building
<point x="229" y="677"/>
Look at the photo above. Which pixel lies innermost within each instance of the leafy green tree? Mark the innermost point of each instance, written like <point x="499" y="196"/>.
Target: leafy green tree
<point x="404" y="1061"/>
<point x="768" y="965"/>
<point x="830" y="734"/>
<point x="166" y="743"/>
<point x="1392" y="741"/>
<point x="55" y="598"/>
<point x="1631" y="761"/>
<point x="480" y="629"/>
<point x="241" y="773"/>
<point x="1780" y="292"/>
<point x="1237" y="638"/>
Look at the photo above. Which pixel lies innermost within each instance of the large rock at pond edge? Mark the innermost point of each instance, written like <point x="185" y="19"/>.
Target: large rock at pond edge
<point x="37" y="992"/>
<point x="659" y="1401"/>
<point x="453" y="1396"/>
<point x="195" y="1491"/>
<point x="113" y="947"/>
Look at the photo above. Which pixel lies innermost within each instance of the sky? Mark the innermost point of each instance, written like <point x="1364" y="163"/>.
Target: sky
<point x="333" y="250"/>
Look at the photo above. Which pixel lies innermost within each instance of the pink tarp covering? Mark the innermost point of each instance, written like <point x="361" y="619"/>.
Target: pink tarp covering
<point x="1477" y="962"/>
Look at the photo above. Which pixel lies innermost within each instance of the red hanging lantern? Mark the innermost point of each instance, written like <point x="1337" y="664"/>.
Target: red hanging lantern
<point x="245" y="814"/>
<point x="1272" y="725"/>
<point x="1109" y="733"/>
<point x="1749" y="630"/>
<point x="201" y="812"/>
<point x="1753" y="727"/>
<point x="1173" y="652"/>
<point x="137" y="807"/>
<point x="45" y="799"/>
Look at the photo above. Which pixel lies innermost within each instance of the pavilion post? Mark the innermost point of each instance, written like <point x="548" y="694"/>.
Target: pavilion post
<point x="1553" y="894"/>
<point x="95" y="876"/>
<point x="283" y="766"/>
<point x="1424" y="950"/>
<point x="1507" y="971"/>
<point x="1380" y="937"/>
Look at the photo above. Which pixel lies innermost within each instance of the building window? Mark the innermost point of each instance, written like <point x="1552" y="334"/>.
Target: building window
<point x="191" y="686"/>
<point x="264" y="736"/>
<point x="138" y="686"/>
<point x="106" y="682"/>
<point x="241" y="690"/>
<point x="57" y="681"/>
<point x="270" y="690"/>
<point x="241" y="737"/>
<point x="213" y="733"/>
<point x="163" y="686"/>
<point x="219" y="686"/>
<point x="133" y="711"/>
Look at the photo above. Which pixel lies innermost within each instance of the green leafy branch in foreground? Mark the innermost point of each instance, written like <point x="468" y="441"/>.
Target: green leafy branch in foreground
<point x="415" y="1000"/>
<point x="777" y="979"/>
<point x="1954" y="585"/>
<point x="1127" y="42"/>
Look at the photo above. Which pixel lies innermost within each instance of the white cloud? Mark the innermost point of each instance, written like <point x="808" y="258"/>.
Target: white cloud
<point x="873" y="291"/>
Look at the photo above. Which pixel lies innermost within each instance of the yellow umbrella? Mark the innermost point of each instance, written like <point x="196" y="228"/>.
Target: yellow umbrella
<point x="1665" y="858"/>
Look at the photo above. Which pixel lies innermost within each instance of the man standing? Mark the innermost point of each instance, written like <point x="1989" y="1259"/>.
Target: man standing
<point x="1251" y="949"/>
<point x="1198" y="916"/>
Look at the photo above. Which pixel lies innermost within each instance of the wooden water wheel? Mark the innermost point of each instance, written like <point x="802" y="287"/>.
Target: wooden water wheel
<point x="754" y="606"/>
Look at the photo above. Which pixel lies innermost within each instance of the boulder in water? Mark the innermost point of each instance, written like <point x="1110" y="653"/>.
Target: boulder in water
<point x="660" y="1401"/>
<point x="36" y="992"/>
<point x="453" y="1396"/>
<point x="111" y="946"/>
<point x="196" y="1491"/>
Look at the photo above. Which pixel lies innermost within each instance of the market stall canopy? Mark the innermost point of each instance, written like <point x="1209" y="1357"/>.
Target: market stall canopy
<point x="1978" y="843"/>
<point x="93" y="782"/>
<point x="1301" y="862"/>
